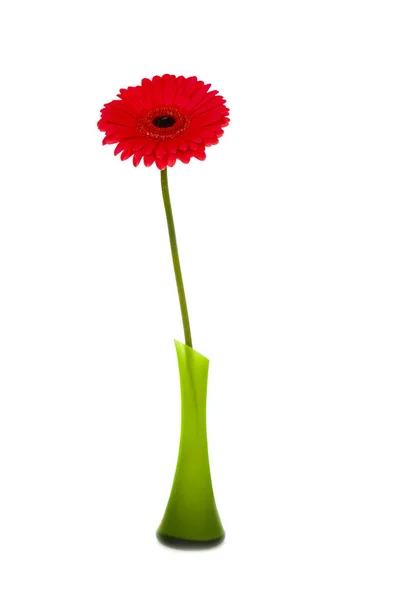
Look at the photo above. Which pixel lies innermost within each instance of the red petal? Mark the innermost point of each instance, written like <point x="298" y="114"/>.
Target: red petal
<point x="131" y="99"/>
<point x="199" y="154"/>
<point x="209" y="107"/>
<point x="161" y="163"/>
<point x="119" y="148"/>
<point x="211" y="131"/>
<point x="180" y="85"/>
<point x="171" y="160"/>
<point x="209" y="101"/>
<point x="147" y="90"/>
<point x="127" y="153"/>
<point x="185" y="91"/>
<point x="169" y="83"/>
<point x="197" y="97"/>
<point x="148" y="160"/>
<point x="120" y="131"/>
<point x="157" y="91"/>
<point x="109" y="139"/>
<point x="138" y="143"/>
<point x="191" y="85"/>
<point x="119" y="112"/>
<point x="172" y="145"/>
<point x="150" y="146"/>
<point x="210" y="116"/>
<point x="160" y="150"/>
<point x="211" y="141"/>
<point x="184" y="156"/>
<point x="137" y="158"/>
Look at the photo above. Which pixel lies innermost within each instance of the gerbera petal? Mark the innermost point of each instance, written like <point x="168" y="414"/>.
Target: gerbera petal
<point x="138" y="95"/>
<point x="210" y="131"/>
<point x="157" y="90"/>
<point x="162" y="163"/>
<point x="184" y="156"/>
<point x="180" y="84"/>
<point x="109" y="139"/>
<point x="185" y="91"/>
<point x="138" y="143"/>
<point x="197" y="97"/>
<point x="214" y="120"/>
<point x="161" y="150"/>
<point x="207" y="99"/>
<point x="137" y="158"/>
<point x="210" y="114"/>
<point x="191" y="84"/>
<point x="171" y="160"/>
<point x="135" y="144"/>
<point x="127" y="153"/>
<point x="147" y="91"/>
<point x="211" y="141"/>
<point x="121" y="131"/>
<point x="172" y="145"/>
<point x="131" y="99"/>
<point x="148" y="160"/>
<point x="118" y="112"/>
<point x="199" y="154"/>
<point x="169" y="84"/>
<point x="150" y="146"/>
<point x="210" y="104"/>
<point x="119" y="148"/>
<point x="197" y="139"/>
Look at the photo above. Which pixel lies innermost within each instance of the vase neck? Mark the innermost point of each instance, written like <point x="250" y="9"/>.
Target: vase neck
<point x="193" y="374"/>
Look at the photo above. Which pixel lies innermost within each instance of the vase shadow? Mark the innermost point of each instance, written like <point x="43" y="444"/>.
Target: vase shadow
<point x="181" y="544"/>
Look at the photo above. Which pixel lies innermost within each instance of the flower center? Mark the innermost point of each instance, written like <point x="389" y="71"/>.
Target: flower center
<point x="164" y="121"/>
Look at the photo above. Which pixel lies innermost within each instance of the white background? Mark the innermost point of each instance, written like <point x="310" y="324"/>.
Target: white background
<point x="290" y="249"/>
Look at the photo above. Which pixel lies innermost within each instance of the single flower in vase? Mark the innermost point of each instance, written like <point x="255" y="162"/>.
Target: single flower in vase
<point x="163" y="120"/>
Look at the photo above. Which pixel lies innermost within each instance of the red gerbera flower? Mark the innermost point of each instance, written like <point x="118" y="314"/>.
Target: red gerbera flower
<point x="164" y="119"/>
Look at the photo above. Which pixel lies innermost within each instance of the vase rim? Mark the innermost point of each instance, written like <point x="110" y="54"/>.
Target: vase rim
<point x="189" y="349"/>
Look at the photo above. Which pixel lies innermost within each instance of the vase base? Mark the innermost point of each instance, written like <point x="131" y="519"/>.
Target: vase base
<point x="183" y="544"/>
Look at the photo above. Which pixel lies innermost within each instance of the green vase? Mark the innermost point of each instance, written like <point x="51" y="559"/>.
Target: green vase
<point x="191" y="518"/>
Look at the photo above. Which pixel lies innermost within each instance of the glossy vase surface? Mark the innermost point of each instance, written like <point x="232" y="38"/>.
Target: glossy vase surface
<point x="191" y="517"/>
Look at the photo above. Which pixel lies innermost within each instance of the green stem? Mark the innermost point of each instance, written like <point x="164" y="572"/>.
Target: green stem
<point x="175" y="258"/>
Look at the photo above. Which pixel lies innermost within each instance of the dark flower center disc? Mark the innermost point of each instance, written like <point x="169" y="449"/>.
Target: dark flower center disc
<point x="164" y="121"/>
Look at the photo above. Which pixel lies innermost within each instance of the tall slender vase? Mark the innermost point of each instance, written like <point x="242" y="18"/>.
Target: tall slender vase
<point x="191" y="517"/>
